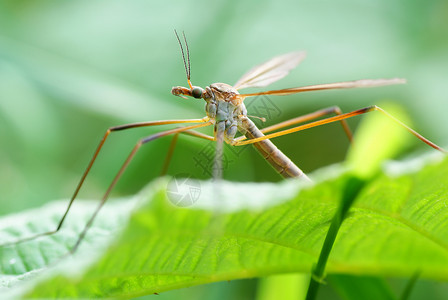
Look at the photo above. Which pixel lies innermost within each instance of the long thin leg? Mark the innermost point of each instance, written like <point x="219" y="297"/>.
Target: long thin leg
<point x="89" y="166"/>
<point x="339" y="118"/>
<point x="308" y="117"/>
<point x="169" y="155"/>
<point x="219" y="155"/>
<point x="173" y="145"/>
<point x="219" y="152"/>
<point x="123" y="168"/>
<point x="199" y="134"/>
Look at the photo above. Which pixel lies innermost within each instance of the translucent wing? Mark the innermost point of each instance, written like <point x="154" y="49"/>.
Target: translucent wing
<point x="270" y="71"/>
<point x="330" y="86"/>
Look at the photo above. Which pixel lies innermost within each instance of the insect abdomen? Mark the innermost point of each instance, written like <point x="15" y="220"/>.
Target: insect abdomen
<point x="279" y="161"/>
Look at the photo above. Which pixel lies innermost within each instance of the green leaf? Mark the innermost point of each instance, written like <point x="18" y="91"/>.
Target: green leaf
<point x="396" y="227"/>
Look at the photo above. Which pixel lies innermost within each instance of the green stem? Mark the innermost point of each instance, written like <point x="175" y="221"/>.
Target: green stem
<point x="352" y="189"/>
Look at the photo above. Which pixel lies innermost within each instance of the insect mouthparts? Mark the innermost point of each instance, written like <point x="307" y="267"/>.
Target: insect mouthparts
<point x="175" y="91"/>
<point x="180" y="91"/>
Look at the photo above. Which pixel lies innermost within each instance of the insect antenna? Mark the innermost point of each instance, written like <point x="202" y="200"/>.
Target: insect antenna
<point x="187" y="68"/>
<point x="188" y="58"/>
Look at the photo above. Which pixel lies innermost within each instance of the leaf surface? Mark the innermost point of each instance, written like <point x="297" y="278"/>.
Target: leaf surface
<point x="397" y="226"/>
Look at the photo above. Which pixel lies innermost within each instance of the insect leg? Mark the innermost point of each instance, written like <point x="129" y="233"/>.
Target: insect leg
<point x="199" y="135"/>
<point x="339" y="118"/>
<point x="308" y="117"/>
<point x="173" y="145"/>
<point x="123" y="168"/>
<point x="89" y="166"/>
<point x="169" y="155"/>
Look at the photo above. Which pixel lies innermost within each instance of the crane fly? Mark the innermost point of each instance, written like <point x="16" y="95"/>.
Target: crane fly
<point x="226" y="112"/>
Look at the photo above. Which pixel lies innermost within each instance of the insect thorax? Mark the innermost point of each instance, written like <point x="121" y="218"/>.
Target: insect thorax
<point x="226" y="107"/>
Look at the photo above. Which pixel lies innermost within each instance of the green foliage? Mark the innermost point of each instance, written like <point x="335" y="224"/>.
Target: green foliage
<point x="395" y="228"/>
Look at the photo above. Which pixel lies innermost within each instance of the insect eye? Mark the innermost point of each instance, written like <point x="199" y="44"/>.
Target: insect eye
<point x="197" y="92"/>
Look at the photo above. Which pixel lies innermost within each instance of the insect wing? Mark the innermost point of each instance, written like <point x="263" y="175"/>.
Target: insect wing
<point x="330" y="86"/>
<point x="270" y="71"/>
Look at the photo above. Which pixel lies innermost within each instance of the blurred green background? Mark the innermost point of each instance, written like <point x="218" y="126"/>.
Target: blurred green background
<point x="71" y="69"/>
